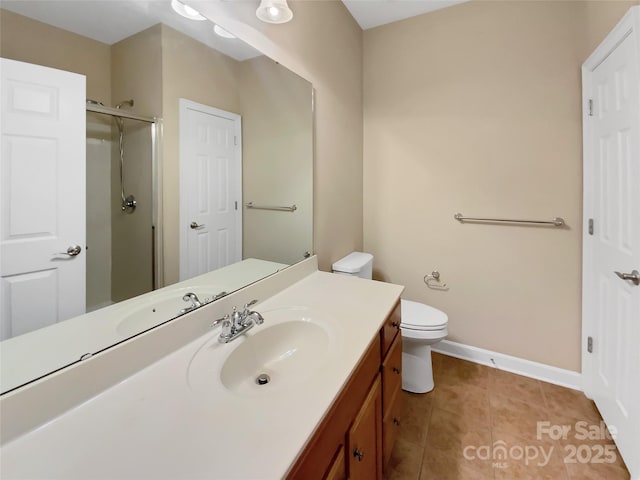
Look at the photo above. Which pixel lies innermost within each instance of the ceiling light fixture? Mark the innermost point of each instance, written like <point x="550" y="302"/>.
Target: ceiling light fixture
<point x="222" y="32"/>
<point x="274" y="11"/>
<point x="186" y="11"/>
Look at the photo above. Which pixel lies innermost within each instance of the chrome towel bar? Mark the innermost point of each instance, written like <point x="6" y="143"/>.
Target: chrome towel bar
<point x="556" y="222"/>
<point x="292" y="208"/>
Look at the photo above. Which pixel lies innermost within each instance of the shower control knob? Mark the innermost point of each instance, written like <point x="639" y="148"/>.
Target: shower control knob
<point x="129" y="202"/>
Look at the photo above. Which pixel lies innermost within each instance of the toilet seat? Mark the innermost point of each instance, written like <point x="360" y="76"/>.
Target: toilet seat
<point x="420" y="317"/>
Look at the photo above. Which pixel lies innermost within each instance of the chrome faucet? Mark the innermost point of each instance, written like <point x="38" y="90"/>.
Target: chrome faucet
<point x="195" y="302"/>
<point x="238" y="323"/>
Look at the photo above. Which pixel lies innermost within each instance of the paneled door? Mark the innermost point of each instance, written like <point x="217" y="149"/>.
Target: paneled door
<point x="42" y="197"/>
<point x="210" y="189"/>
<point x="611" y="282"/>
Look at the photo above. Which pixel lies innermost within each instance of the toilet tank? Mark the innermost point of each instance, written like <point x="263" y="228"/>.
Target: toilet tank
<point x="358" y="264"/>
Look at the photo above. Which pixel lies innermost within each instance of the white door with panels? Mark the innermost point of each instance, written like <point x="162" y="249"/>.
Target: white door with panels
<point x="42" y="197"/>
<point x="611" y="241"/>
<point x="210" y="189"/>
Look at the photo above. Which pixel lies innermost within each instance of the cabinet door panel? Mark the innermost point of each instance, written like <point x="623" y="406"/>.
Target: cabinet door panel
<point x="391" y="373"/>
<point x="365" y="439"/>
<point x="391" y="427"/>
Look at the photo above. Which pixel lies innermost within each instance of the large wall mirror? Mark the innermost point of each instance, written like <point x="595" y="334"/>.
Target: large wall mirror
<point x="192" y="177"/>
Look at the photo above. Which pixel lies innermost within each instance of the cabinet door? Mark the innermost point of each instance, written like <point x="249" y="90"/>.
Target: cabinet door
<point x="391" y="427"/>
<point x="365" y="438"/>
<point x="392" y="373"/>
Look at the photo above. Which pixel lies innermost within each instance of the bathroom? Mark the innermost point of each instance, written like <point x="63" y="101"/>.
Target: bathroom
<point x="475" y="108"/>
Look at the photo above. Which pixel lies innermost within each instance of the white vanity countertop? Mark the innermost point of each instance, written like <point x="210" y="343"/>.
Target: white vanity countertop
<point x="161" y="423"/>
<point x="22" y="357"/>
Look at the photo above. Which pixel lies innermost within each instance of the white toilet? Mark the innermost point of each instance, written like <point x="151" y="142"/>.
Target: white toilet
<point x="421" y="327"/>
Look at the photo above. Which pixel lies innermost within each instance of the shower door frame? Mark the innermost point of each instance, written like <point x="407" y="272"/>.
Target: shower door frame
<point x="155" y="124"/>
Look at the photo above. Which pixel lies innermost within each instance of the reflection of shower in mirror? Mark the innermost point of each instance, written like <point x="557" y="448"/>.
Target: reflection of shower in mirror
<point x="120" y="248"/>
<point x="129" y="202"/>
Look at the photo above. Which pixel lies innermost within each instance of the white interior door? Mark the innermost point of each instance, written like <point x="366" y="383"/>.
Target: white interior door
<point x="611" y="305"/>
<point x="210" y="189"/>
<point x="42" y="192"/>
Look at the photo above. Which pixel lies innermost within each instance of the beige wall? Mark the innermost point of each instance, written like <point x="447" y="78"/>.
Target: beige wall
<point x="477" y="109"/>
<point x="323" y="44"/>
<point x="600" y="17"/>
<point x="277" y="160"/>
<point x="136" y="69"/>
<point x="30" y="41"/>
<point x="136" y="72"/>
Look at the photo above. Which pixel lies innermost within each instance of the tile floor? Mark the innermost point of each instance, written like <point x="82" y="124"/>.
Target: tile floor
<point x="475" y="413"/>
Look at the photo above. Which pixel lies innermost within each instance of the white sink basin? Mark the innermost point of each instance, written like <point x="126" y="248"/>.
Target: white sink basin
<point x="288" y="348"/>
<point x="159" y="308"/>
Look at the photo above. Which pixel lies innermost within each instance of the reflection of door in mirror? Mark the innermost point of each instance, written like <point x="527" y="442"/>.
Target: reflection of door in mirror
<point x="42" y="220"/>
<point x="59" y="262"/>
<point x="210" y="188"/>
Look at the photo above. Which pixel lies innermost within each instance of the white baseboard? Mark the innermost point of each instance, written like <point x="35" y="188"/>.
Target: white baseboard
<point x="539" y="371"/>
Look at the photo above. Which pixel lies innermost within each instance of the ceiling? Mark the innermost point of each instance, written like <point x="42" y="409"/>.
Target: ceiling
<point x="373" y="13"/>
<point x="109" y="21"/>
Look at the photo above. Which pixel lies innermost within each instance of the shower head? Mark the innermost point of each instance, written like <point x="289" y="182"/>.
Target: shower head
<point x="128" y="103"/>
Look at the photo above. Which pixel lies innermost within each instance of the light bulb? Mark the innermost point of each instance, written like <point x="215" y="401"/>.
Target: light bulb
<point x="273" y="11"/>
<point x="191" y="11"/>
<point x="186" y="11"/>
<point x="222" y="32"/>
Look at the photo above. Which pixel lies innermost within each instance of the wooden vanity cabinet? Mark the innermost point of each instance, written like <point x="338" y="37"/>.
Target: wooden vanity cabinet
<point x="319" y="458"/>
<point x="391" y="343"/>
<point x="356" y="437"/>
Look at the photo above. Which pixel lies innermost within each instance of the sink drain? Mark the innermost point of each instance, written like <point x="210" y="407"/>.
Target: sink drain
<point x="263" y="379"/>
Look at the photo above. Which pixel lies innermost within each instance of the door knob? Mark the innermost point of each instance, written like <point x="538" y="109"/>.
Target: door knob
<point x="195" y="226"/>
<point x="634" y="276"/>
<point x="72" y="251"/>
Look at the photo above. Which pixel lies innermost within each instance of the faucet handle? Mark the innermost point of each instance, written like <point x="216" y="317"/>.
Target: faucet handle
<point x="193" y="298"/>
<point x="247" y="305"/>
<point x="217" y="322"/>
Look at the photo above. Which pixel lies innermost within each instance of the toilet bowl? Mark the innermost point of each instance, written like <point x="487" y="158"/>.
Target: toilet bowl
<point x="421" y="327"/>
<point x="420" y="324"/>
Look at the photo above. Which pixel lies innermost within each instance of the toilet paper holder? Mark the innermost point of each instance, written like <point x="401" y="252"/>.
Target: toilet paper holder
<point x="432" y="277"/>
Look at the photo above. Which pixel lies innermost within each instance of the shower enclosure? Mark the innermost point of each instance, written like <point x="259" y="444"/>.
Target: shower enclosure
<point x="121" y="204"/>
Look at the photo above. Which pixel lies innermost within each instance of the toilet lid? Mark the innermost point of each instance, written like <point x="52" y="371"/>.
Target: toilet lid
<point x="418" y="316"/>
